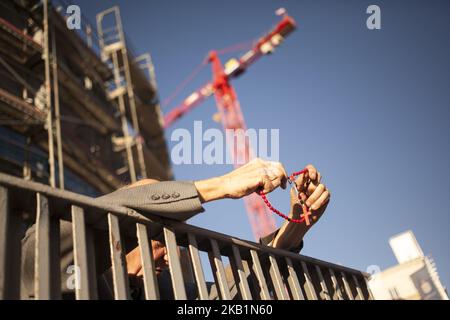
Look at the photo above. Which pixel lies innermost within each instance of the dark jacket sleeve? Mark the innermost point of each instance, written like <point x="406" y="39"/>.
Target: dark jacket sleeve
<point x="177" y="200"/>
<point x="267" y="239"/>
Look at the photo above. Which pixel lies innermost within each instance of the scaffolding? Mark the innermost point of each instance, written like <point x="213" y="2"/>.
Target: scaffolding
<point x="84" y="92"/>
<point x="114" y="52"/>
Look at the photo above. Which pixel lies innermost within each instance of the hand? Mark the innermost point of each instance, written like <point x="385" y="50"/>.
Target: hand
<point x="256" y="174"/>
<point x="315" y="194"/>
<point x="134" y="261"/>
<point x="316" y="197"/>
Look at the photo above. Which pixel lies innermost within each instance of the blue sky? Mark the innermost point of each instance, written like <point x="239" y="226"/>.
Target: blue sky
<point x="369" y="108"/>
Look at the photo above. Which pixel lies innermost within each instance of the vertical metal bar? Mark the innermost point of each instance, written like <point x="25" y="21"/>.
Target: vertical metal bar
<point x="148" y="64"/>
<point x="294" y="284"/>
<point x="264" y="291"/>
<point x="220" y="271"/>
<point x="148" y="263"/>
<point x="214" y="273"/>
<point x="4" y="243"/>
<point x="91" y="257"/>
<point x="119" y="24"/>
<point x="89" y="35"/>
<point x="253" y="281"/>
<point x="47" y="266"/>
<point x="42" y="272"/>
<point x="10" y="249"/>
<point x="186" y="265"/>
<point x="347" y="286"/>
<point x="26" y="171"/>
<point x="130" y="92"/>
<point x="101" y="42"/>
<point x="360" y="295"/>
<point x="336" y="286"/>
<point x="197" y="266"/>
<point x="48" y="98"/>
<point x="325" y="294"/>
<point x="368" y="289"/>
<point x="85" y="269"/>
<point x="239" y="273"/>
<point x="120" y="278"/>
<point x="123" y="119"/>
<point x="235" y="286"/>
<point x="176" y="273"/>
<point x="277" y="280"/>
<point x="57" y="109"/>
<point x="309" y="287"/>
<point x="55" y="259"/>
<point x="133" y="111"/>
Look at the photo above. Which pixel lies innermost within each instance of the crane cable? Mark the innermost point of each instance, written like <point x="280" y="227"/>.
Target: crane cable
<point x="183" y="84"/>
<point x="233" y="48"/>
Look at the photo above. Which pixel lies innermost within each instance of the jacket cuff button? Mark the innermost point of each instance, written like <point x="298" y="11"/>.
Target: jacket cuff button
<point x="155" y="197"/>
<point x="165" y="196"/>
<point x="175" y="195"/>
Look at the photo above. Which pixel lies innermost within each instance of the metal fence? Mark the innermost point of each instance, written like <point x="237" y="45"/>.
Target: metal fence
<point x="257" y="271"/>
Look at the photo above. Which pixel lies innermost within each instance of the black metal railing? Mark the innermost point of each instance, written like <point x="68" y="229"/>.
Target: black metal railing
<point x="255" y="271"/>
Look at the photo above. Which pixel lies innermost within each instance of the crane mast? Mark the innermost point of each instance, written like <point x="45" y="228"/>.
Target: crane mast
<point x="231" y="117"/>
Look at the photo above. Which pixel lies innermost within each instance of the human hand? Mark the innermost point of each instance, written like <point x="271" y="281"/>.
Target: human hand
<point x="134" y="261"/>
<point x="312" y="192"/>
<point x="315" y="196"/>
<point x="256" y="175"/>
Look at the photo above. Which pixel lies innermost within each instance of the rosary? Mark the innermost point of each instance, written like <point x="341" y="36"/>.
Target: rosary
<point x="306" y="213"/>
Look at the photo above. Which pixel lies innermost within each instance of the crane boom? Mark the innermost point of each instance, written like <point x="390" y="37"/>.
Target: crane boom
<point x="231" y="116"/>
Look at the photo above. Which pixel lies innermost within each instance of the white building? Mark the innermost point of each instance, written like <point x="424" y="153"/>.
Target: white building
<point x="414" y="278"/>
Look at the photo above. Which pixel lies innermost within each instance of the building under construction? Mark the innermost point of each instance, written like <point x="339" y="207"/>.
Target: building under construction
<point x="78" y="110"/>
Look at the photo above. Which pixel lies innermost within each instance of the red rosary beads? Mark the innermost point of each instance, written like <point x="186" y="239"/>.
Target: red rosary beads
<point x="306" y="212"/>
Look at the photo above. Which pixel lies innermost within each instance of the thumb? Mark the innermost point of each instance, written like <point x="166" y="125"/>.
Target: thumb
<point x="293" y="196"/>
<point x="296" y="208"/>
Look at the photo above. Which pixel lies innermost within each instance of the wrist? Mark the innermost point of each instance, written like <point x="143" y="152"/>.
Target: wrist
<point x="210" y="189"/>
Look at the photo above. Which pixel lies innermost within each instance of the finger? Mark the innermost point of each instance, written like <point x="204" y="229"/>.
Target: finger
<point x="276" y="183"/>
<point x="269" y="186"/>
<point x="311" y="188"/>
<point x="304" y="180"/>
<point x="300" y="181"/>
<point x="272" y="172"/>
<point x="324" y="198"/>
<point x="303" y="196"/>
<point x="315" y="195"/>
<point x="275" y="175"/>
<point x="313" y="185"/>
<point x="296" y="208"/>
<point x="312" y="172"/>
<point x="266" y="184"/>
<point x="293" y="196"/>
<point x="281" y="172"/>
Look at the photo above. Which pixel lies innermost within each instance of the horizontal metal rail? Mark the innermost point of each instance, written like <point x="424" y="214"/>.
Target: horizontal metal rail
<point x="255" y="271"/>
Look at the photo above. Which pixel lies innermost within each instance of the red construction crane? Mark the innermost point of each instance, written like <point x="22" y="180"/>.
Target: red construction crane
<point x="261" y="220"/>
